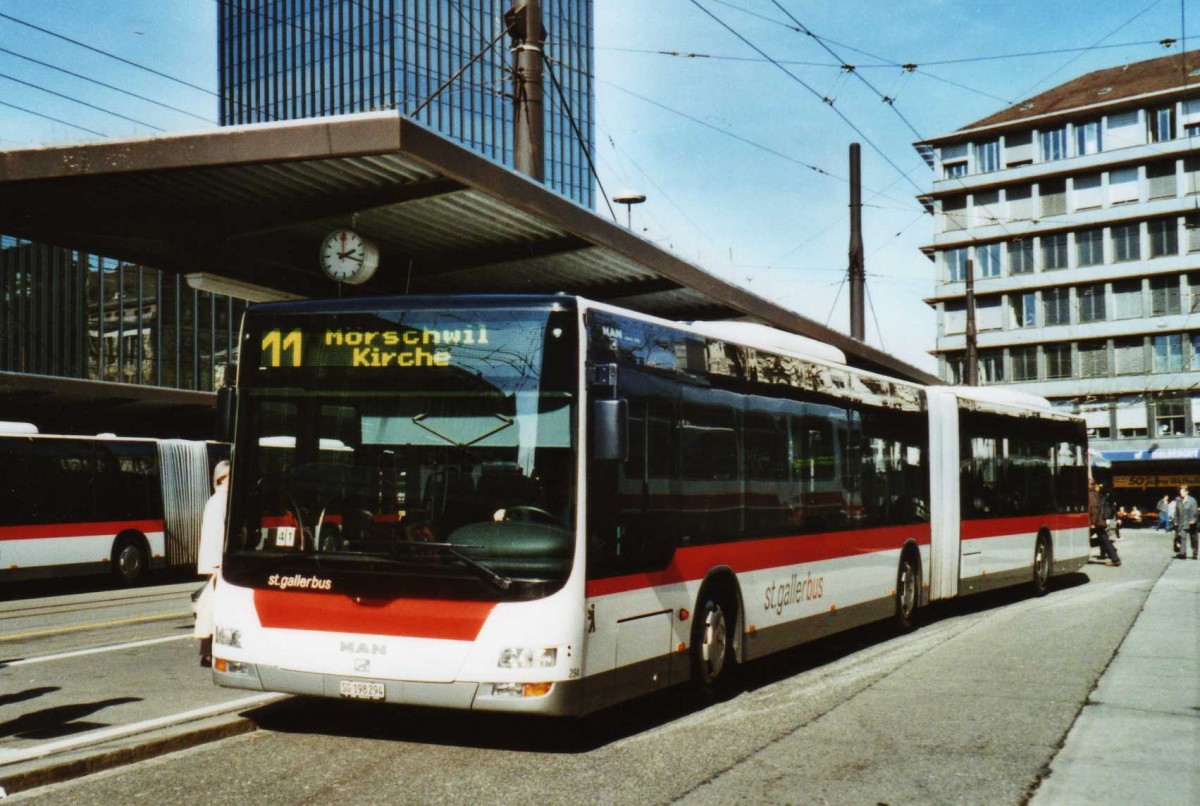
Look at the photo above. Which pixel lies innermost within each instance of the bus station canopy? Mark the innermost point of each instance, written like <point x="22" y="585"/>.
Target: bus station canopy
<point x="251" y="204"/>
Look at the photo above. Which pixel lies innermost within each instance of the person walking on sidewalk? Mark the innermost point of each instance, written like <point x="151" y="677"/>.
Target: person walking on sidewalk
<point x="1096" y="503"/>
<point x="1164" y="519"/>
<point x="1186" y="512"/>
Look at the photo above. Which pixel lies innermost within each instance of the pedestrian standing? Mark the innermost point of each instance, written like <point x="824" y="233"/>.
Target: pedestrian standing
<point x="208" y="557"/>
<point x="1164" y="517"/>
<point x="1186" y="512"/>
<point x="1100" y="524"/>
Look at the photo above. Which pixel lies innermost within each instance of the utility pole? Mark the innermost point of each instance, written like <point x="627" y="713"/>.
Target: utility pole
<point x="971" y="361"/>
<point x="524" y="21"/>
<point x="858" y="272"/>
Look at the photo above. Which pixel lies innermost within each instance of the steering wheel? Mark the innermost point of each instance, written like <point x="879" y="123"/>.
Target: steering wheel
<point x="525" y="514"/>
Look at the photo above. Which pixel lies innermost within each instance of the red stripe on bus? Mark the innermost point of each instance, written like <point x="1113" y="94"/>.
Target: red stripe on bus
<point x="408" y="618"/>
<point x="694" y="562"/>
<point x="38" y="531"/>
<point x="1022" y="525"/>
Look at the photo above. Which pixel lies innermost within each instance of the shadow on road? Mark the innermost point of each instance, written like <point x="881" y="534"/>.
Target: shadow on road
<point x="53" y="723"/>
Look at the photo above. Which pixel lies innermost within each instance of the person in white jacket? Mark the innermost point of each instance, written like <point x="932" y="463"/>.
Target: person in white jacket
<point x="208" y="557"/>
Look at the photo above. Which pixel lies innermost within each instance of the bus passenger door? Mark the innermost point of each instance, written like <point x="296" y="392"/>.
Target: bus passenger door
<point x="944" y="499"/>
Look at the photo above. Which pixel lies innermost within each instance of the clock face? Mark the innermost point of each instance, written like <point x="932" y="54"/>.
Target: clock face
<point x="348" y="257"/>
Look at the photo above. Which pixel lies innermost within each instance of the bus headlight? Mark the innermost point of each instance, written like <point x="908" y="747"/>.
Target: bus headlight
<point x="227" y="636"/>
<point x="522" y="658"/>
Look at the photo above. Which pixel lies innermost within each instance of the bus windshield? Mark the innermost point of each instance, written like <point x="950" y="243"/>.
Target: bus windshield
<point x="419" y="452"/>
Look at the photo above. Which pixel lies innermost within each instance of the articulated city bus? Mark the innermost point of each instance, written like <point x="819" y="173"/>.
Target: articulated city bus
<point x="550" y="505"/>
<point x="73" y="505"/>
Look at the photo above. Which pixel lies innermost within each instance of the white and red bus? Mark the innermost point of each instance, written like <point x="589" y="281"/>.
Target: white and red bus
<point x="72" y="505"/>
<point x="550" y="505"/>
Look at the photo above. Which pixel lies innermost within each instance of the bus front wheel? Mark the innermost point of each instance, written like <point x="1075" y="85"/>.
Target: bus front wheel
<point x="130" y="559"/>
<point x="712" y="648"/>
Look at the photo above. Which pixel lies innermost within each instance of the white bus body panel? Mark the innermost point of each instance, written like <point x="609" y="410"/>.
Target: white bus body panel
<point x="944" y="500"/>
<point x="75" y="550"/>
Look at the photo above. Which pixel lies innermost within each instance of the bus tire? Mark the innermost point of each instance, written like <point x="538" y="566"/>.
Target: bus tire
<point x="908" y="590"/>
<point x="1043" y="563"/>
<point x="130" y="558"/>
<point x="712" y="655"/>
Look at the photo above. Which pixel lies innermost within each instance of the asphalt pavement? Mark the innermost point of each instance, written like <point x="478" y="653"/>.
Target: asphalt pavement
<point x="1135" y="740"/>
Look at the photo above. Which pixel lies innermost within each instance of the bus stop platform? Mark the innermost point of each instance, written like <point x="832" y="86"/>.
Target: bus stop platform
<point x="1137" y="739"/>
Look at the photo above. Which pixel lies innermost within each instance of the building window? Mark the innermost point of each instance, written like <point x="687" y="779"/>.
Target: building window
<point x="1195" y="362"/>
<point x="1161" y="124"/>
<point x="1020" y="256"/>
<point x="991" y="366"/>
<point x="1093" y="360"/>
<point x="1170" y="418"/>
<point x="1089" y="247"/>
<point x="1164" y="237"/>
<point x="1058" y="361"/>
<point x="1193" y="282"/>
<point x="987" y="156"/>
<point x="1126" y="240"/>
<point x="956" y="264"/>
<point x="988" y="257"/>
<point x="1087" y="137"/>
<point x="1088" y="192"/>
<point x="954" y="214"/>
<point x="1127" y="296"/>
<point x="1191" y="223"/>
<point x="1053" y="194"/>
<point x="1164" y="296"/>
<point x="1191" y="174"/>
<point x="1122" y="129"/>
<point x="954" y="369"/>
<point x="1024" y="309"/>
<point x="1024" y="363"/>
<point x="1018" y="148"/>
<point x="1054" y="251"/>
<point x="954" y="170"/>
<point x="1020" y="202"/>
<point x="1131" y="419"/>
<point x="1053" y="144"/>
<point x="985" y="209"/>
<point x="1168" y="353"/>
<point x="1091" y="302"/>
<point x="954" y="317"/>
<point x="1123" y="186"/>
<point x="1129" y="357"/>
<point x="1160" y="180"/>
<point x="1056" y="306"/>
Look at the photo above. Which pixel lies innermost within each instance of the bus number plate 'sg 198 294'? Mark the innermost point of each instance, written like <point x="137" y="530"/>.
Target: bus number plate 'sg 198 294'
<point x="361" y="690"/>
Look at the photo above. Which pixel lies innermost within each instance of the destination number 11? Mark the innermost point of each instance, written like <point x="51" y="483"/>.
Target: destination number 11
<point x="276" y="347"/>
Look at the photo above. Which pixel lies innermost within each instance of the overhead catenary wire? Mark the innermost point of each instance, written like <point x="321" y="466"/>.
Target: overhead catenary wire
<point x="54" y="119"/>
<point x="562" y="97"/>
<point x="824" y="99"/>
<point x="75" y="100"/>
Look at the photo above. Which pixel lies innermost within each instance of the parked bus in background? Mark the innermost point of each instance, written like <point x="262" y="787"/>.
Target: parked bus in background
<point x="551" y="505"/>
<point x="78" y="505"/>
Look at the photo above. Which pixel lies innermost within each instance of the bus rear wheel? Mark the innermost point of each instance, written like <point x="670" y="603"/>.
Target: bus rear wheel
<point x="130" y="559"/>
<point x="711" y="649"/>
<point x="1043" y="560"/>
<point x="908" y="582"/>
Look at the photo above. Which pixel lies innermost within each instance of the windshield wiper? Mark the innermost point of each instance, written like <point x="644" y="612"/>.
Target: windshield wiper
<point x="505" y="422"/>
<point x="500" y="581"/>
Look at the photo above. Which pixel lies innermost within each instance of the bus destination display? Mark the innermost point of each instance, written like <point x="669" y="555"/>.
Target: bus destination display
<point x="398" y="348"/>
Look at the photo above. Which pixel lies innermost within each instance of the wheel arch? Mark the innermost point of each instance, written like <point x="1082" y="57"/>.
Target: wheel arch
<point x="723" y="578"/>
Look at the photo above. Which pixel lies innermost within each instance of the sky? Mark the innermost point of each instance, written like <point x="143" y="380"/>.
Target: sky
<point x="740" y="149"/>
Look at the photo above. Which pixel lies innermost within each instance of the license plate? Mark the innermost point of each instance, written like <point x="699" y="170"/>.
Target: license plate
<point x="361" y="690"/>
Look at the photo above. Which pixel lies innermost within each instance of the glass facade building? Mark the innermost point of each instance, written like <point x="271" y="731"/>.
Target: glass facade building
<point x="71" y="314"/>
<point x="288" y="59"/>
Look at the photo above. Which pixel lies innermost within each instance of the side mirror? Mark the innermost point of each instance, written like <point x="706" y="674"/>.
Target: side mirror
<point x="610" y="430"/>
<point x="226" y="412"/>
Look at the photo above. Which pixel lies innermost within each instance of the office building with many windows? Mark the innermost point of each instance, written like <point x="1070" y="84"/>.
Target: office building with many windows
<point x="1079" y="210"/>
<point x="288" y="59"/>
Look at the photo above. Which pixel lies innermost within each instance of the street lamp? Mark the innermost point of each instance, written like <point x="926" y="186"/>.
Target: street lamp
<point x="629" y="198"/>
